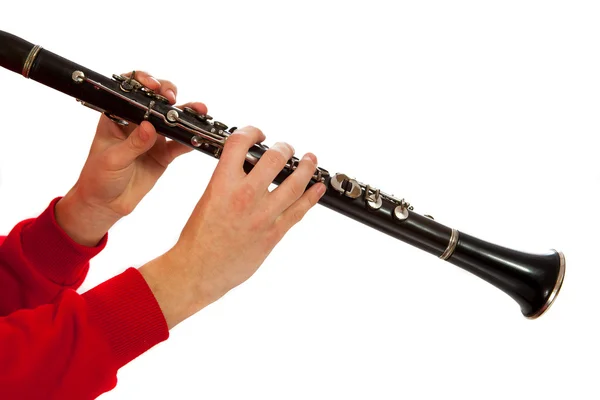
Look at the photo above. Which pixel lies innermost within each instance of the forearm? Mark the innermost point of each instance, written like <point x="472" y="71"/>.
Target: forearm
<point x="74" y="347"/>
<point x="38" y="260"/>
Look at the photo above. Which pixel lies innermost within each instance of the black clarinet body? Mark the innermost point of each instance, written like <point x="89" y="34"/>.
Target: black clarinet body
<point x="532" y="280"/>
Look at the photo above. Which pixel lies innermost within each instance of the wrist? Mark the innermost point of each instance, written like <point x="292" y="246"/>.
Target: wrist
<point x="179" y="296"/>
<point x="83" y="222"/>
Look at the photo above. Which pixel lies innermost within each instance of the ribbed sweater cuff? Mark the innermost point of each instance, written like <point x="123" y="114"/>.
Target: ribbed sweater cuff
<point x="128" y="314"/>
<point x="64" y="261"/>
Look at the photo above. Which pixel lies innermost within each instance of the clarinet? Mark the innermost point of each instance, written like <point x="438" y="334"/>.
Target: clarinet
<point x="532" y="280"/>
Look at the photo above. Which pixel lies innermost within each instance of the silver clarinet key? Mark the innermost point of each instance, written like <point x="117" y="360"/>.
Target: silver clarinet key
<point x="373" y="198"/>
<point x="346" y="186"/>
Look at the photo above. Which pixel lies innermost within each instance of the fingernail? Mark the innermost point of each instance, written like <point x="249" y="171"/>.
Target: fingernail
<point x="287" y="145"/>
<point x="281" y="147"/>
<point x="311" y="157"/>
<point x="170" y="95"/>
<point x="321" y="189"/>
<point x="154" y="80"/>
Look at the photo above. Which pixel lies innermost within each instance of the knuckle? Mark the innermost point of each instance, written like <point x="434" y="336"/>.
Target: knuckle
<point x="247" y="192"/>
<point x="134" y="141"/>
<point x="259" y="224"/>
<point x="274" y="235"/>
<point x="297" y="215"/>
<point x="135" y="144"/>
<point x="243" y="197"/>
<point x="294" y="216"/>
<point x="295" y="189"/>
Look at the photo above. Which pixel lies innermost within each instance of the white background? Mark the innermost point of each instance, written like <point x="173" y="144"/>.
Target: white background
<point x="483" y="114"/>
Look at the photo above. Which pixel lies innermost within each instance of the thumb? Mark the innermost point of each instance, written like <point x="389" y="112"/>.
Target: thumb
<point x="137" y="143"/>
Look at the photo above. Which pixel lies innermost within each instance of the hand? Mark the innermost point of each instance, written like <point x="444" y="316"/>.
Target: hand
<point x="233" y="228"/>
<point x="123" y="165"/>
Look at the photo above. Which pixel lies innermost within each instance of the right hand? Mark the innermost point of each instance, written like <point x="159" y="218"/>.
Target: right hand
<point x="233" y="228"/>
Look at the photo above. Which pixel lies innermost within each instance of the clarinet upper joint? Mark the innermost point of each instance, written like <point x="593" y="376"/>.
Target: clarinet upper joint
<point x="373" y="197"/>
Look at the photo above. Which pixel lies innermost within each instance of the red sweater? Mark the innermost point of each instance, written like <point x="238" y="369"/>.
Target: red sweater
<point x="55" y="343"/>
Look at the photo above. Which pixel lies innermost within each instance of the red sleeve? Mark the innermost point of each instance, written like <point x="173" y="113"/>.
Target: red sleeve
<point x="38" y="260"/>
<point x="73" y="348"/>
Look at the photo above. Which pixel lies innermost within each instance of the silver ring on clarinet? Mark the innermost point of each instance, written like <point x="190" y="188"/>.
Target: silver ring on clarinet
<point x="451" y="245"/>
<point x="30" y="59"/>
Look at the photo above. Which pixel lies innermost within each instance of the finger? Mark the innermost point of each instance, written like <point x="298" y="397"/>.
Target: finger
<point x="169" y="90"/>
<point x="145" y="79"/>
<point x="270" y="165"/>
<point x="161" y="86"/>
<point x="236" y="148"/>
<point x="298" y="210"/>
<point x="196" y="106"/>
<point x="175" y="149"/>
<point x="139" y="142"/>
<point x="294" y="185"/>
<point x="109" y="128"/>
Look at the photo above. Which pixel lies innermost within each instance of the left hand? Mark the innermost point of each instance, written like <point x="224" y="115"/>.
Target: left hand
<point x="123" y="165"/>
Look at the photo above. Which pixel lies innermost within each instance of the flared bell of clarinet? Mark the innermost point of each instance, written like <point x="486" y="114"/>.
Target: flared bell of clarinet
<point x="532" y="280"/>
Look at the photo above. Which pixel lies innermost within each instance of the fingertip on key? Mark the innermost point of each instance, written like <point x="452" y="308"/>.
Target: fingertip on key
<point x="311" y="157"/>
<point x="170" y="94"/>
<point x="154" y="81"/>
<point x="321" y="189"/>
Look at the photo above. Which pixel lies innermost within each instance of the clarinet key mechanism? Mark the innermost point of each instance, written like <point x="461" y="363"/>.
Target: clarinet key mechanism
<point x="532" y="280"/>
